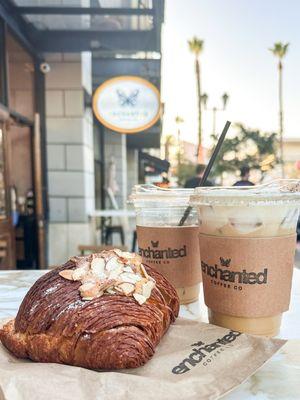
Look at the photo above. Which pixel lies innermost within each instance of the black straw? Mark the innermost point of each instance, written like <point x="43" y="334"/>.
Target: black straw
<point x="207" y="169"/>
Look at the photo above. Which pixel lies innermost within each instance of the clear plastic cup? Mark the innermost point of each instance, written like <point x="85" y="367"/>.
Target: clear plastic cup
<point x="172" y="249"/>
<point x="247" y="247"/>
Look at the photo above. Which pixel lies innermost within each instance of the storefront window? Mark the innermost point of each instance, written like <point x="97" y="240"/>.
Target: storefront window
<point x="20" y="78"/>
<point x="2" y="64"/>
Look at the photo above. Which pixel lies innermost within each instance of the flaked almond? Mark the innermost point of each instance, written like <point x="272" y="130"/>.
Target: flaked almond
<point x="118" y="289"/>
<point x="147" y="289"/>
<point x="123" y="260"/>
<point x="111" y="272"/>
<point x="115" y="273"/>
<point x="139" y="286"/>
<point x="128" y="269"/>
<point x="91" y="298"/>
<point x="137" y="269"/>
<point x="127" y="288"/>
<point x="139" y="298"/>
<point x="112" y="264"/>
<point x="130" y="277"/>
<point x="90" y="277"/>
<point x="106" y="284"/>
<point x="118" y="252"/>
<point x="83" y="263"/>
<point x="79" y="273"/>
<point x="106" y="254"/>
<point x="89" y="289"/>
<point x="111" y="291"/>
<point x="67" y="274"/>
<point x="144" y="272"/>
<point x="75" y="259"/>
<point x="124" y="254"/>
<point x="98" y="266"/>
<point x="136" y="260"/>
<point x="128" y="255"/>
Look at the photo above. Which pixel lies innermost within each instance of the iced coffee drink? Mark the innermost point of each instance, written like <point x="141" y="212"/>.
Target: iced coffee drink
<point x="247" y="247"/>
<point x="172" y="249"/>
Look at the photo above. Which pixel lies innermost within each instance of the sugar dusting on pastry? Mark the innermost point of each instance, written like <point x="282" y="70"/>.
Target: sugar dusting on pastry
<point x="111" y="272"/>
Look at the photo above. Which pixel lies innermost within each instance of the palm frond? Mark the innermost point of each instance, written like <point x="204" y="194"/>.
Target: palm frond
<point x="196" y="45"/>
<point x="279" y="49"/>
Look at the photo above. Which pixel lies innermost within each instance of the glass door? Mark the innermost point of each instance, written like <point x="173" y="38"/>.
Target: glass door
<point x="7" y="239"/>
<point x="20" y="164"/>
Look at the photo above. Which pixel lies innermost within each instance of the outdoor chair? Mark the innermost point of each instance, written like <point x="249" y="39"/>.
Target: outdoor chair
<point x="108" y="228"/>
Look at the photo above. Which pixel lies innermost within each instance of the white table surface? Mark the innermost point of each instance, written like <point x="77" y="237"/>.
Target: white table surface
<point x="279" y="379"/>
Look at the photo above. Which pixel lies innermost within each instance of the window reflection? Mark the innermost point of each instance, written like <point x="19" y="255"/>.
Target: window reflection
<point x="21" y="78"/>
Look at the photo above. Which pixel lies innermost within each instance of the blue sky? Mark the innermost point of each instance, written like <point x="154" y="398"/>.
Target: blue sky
<point x="237" y="35"/>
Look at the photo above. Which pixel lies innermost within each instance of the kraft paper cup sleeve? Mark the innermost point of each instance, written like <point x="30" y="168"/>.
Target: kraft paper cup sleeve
<point x="173" y="251"/>
<point x="247" y="277"/>
<point x="194" y="361"/>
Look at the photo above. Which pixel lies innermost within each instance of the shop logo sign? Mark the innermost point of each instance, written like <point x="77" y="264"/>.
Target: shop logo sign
<point x="127" y="100"/>
<point x="127" y="104"/>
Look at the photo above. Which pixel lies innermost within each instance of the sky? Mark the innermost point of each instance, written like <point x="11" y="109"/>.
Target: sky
<point x="237" y="35"/>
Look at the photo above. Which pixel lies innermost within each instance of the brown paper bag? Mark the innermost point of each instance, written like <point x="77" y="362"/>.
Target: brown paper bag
<point x="194" y="361"/>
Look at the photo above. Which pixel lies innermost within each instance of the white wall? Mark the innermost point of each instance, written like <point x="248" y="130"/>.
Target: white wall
<point x="70" y="153"/>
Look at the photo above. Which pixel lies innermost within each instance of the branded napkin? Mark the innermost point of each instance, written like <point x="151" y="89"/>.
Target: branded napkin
<point x="194" y="361"/>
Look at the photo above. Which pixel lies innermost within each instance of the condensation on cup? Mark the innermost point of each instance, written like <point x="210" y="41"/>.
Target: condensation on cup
<point x="247" y="249"/>
<point x="173" y="250"/>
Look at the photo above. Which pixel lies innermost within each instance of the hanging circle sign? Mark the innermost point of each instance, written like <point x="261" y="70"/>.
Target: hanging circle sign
<point x="127" y="104"/>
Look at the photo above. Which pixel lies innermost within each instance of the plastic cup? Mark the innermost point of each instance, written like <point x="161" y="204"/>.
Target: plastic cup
<point x="247" y="248"/>
<point x="173" y="250"/>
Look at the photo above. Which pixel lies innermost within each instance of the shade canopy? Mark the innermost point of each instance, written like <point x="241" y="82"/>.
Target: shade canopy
<point x="87" y="25"/>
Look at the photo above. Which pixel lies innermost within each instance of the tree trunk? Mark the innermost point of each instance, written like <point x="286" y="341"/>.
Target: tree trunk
<point x="280" y="117"/>
<point x="214" y="120"/>
<point x="200" y="149"/>
<point x="179" y="148"/>
<point x="167" y="151"/>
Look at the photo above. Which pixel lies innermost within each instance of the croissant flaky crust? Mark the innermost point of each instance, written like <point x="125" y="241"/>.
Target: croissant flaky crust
<point x="54" y="323"/>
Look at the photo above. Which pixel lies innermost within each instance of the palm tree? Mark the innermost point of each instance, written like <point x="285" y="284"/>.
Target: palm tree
<point x="178" y="120"/>
<point x="279" y="50"/>
<point x="196" y="47"/>
<point x="168" y="142"/>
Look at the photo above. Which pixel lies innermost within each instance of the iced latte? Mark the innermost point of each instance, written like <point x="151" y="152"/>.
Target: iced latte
<point x="247" y="247"/>
<point x="172" y="249"/>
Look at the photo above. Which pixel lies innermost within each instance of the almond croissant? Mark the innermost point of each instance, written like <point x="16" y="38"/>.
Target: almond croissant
<point x="107" y="315"/>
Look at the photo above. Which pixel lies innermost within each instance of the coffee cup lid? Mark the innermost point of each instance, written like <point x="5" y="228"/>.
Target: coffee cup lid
<point x="146" y="194"/>
<point x="280" y="191"/>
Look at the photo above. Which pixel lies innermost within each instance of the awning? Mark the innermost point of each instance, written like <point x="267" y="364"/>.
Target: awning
<point x="82" y="25"/>
<point x="153" y="165"/>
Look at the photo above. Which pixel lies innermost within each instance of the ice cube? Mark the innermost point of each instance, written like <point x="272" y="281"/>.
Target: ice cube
<point x="211" y="219"/>
<point x="245" y="226"/>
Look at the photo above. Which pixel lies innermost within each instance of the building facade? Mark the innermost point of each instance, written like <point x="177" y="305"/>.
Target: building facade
<point x="55" y="156"/>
